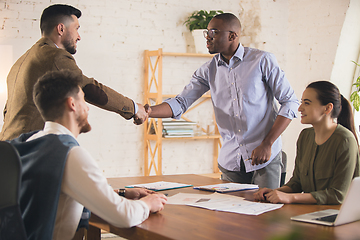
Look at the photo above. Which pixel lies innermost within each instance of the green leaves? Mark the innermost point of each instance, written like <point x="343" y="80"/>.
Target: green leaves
<point x="354" y="97"/>
<point x="200" y="19"/>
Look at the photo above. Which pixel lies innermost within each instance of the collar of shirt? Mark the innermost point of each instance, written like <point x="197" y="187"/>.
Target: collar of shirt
<point x="49" y="41"/>
<point x="52" y="128"/>
<point x="238" y="56"/>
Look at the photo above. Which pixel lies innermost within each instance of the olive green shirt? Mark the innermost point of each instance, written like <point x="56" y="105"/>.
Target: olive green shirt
<point x="325" y="170"/>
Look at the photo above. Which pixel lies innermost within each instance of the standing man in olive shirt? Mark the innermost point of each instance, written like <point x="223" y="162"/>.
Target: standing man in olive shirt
<point x="59" y="26"/>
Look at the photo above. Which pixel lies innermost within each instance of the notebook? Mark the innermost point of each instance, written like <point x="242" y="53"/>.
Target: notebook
<point x="160" y="186"/>
<point x="349" y="211"/>
<point x="227" y="187"/>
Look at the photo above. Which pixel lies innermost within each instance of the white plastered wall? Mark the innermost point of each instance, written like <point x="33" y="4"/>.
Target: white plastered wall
<point x="303" y="35"/>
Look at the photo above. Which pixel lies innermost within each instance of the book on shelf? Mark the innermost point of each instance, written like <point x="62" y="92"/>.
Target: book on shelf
<point x="178" y="128"/>
<point x="177" y="123"/>
<point x="175" y="127"/>
<point x="178" y="131"/>
<point x="178" y="135"/>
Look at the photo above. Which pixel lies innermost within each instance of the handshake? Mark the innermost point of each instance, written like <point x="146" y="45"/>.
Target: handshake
<point x="142" y="114"/>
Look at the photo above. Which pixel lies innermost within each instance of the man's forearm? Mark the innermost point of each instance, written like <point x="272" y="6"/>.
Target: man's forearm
<point x="162" y="110"/>
<point x="277" y="129"/>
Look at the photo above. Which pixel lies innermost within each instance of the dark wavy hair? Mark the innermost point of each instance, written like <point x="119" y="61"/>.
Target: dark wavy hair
<point x="327" y="93"/>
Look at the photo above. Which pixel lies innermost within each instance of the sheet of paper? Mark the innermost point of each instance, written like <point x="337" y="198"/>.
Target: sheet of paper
<point x="159" y="186"/>
<point x="228" y="203"/>
<point x="187" y="198"/>
<point x="223" y="202"/>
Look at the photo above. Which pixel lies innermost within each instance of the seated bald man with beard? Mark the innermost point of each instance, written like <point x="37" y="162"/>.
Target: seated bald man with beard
<point x="60" y="178"/>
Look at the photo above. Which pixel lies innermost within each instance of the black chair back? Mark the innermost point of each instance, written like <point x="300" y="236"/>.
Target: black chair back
<point x="11" y="223"/>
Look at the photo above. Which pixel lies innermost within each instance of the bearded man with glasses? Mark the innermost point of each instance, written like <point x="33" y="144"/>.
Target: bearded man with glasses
<point x="244" y="83"/>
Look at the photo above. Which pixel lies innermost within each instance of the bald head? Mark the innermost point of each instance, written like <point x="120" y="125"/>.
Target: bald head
<point x="230" y="20"/>
<point x="223" y="34"/>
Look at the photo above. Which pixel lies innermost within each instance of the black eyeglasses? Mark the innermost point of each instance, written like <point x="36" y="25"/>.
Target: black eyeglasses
<point x="211" y="33"/>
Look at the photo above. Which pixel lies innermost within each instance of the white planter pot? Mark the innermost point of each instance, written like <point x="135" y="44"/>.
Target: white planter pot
<point x="200" y="41"/>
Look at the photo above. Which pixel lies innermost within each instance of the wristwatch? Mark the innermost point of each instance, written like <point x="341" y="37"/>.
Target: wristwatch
<point x="121" y="192"/>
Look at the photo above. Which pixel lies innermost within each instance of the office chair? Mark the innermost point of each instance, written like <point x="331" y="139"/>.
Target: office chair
<point x="11" y="223"/>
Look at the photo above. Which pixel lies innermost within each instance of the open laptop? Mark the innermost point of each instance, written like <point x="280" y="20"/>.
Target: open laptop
<point x="349" y="211"/>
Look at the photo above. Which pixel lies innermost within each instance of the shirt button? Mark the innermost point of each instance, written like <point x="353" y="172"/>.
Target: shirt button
<point x="240" y="145"/>
<point x="234" y="99"/>
<point x="239" y="130"/>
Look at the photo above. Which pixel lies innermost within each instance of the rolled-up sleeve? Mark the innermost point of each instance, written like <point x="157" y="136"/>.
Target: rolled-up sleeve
<point x="84" y="182"/>
<point x="194" y="90"/>
<point x="281" y="88"/>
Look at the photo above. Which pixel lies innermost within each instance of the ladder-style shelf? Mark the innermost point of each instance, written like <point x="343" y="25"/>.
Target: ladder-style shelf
<point x="153" y="93"/>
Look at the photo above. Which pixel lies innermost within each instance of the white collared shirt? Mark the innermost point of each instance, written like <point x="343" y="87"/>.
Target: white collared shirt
<point x="84" y="185"/>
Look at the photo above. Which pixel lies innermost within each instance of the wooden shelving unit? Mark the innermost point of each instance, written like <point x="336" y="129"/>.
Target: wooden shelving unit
<point x="153" y="93"/>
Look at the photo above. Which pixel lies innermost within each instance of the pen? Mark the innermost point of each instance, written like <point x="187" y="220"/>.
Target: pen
<point x="207" y="189"/>
<point x="248" y="159"/>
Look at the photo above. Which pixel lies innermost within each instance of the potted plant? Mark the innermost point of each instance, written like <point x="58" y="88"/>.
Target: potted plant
<point x="354" y="97"/>
<point x="196" y="23"/>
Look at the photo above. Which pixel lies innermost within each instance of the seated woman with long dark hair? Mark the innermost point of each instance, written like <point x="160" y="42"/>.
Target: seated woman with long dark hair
<point x="327" y="157"/>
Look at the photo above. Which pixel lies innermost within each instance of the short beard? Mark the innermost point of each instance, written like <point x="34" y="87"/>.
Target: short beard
<point x="86" y="128"/>
<point x="69" y="47"/>
<point x="83" y="124"/>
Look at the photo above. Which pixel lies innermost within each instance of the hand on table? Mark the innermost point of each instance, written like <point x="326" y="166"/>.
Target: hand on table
<point x="276" y="196"/>
<point x="137" y="193"/>
<point x="260" y="194"/>
<point x="272" y="196"/>
<point x="155" y="201"/>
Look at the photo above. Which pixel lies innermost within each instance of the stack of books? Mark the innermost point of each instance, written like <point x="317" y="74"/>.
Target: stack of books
<point x="178" y="128"/>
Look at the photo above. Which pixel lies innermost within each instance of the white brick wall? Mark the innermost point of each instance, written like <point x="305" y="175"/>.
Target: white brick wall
<point x="116" y="32"/>
<point x="313" y="35"/>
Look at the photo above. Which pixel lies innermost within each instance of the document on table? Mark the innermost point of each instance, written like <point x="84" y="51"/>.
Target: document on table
<point x="222" y="202"/>
<point x="188" y="198"/>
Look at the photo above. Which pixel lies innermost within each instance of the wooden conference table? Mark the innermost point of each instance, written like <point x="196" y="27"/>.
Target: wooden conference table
<point x="184" y="222"/>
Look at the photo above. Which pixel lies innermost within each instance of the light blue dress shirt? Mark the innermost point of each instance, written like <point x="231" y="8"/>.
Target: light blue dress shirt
<point x="243" y="94"/>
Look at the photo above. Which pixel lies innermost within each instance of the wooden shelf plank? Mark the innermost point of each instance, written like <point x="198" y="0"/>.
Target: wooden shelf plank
<point x="214" y="136"/>
<point x="187" y="54"/>
<point x="155" y="95"/>
<point x="153" y="137"/>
